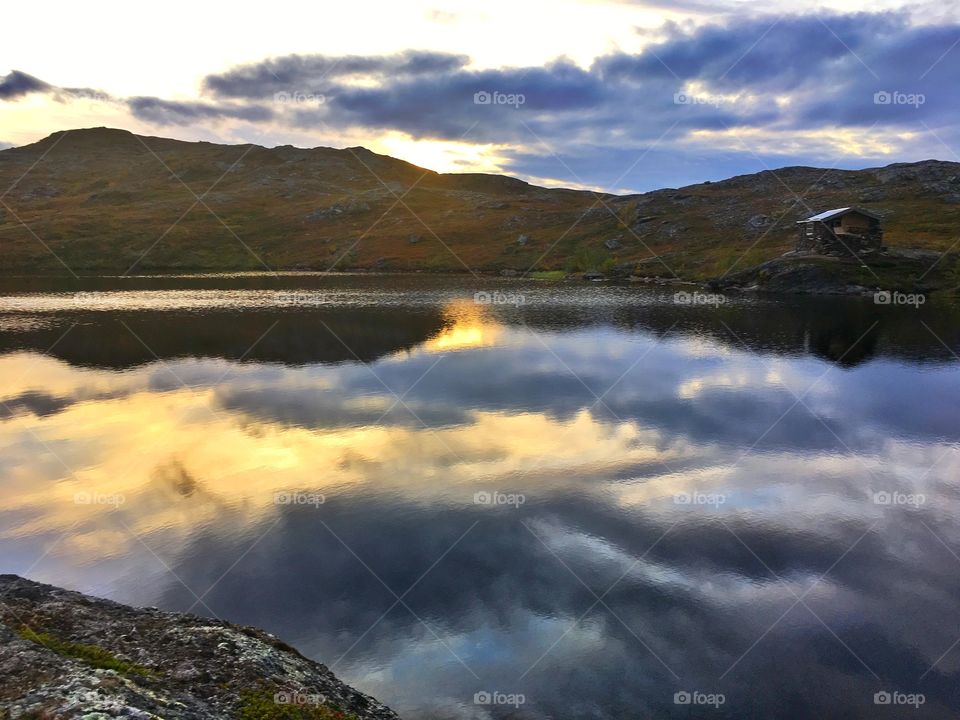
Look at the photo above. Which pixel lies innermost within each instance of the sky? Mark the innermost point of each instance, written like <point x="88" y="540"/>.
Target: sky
<point x="614" y="95"/>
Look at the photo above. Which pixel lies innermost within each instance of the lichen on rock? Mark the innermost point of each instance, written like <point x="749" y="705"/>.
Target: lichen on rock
<point x="67" y="655"/>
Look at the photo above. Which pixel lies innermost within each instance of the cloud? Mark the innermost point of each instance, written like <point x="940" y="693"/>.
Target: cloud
<point x="35" y="402"/>
<point x="17" y="84"/>
<point x="316" y="73"/>
<point x="792" y="74"/>
<point x="168" y="112"/>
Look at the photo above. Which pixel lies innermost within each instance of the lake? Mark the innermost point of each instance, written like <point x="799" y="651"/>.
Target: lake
<point x="505" y="499"/>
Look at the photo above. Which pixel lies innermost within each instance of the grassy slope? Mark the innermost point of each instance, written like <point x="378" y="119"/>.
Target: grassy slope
<point x="106" y="201"/>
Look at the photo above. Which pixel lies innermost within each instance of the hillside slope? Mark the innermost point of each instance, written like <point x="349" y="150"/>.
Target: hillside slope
<point x="66" y="655"/>
<point x="106" y="200"/>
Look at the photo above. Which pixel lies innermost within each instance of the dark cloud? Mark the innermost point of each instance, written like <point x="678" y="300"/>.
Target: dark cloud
<point x="764" y="54"/>
<point x="788" y="74"/>
<point x="315" y="73"/>
<point x="448" y="107"/>
<point x="693" y="597"/>
<point x="33" y="402"/>
<point x="67" y="94"/>
<point x="168" y="112"/>
<point x="308" y="407"/>
<point x="16" y="84"/>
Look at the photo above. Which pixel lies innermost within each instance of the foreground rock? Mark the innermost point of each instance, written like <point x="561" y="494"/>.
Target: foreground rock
<point x="67" y="655"/>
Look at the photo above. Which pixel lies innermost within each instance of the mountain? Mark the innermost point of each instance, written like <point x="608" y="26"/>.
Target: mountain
<point x="108" y="201"/>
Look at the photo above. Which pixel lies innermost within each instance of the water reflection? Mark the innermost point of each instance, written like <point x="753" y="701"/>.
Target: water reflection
<point x="143" y="454"/>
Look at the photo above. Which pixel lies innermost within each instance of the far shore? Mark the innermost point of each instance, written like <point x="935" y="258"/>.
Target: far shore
<point x="902" y="270"/>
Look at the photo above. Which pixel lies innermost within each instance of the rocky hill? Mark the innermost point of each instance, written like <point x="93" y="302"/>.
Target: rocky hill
<point x="106" y="200"/>
<point x="66" y="655"/>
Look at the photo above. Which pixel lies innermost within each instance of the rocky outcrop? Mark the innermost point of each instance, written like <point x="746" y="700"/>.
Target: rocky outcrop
<point x="813" y="274"/>
<point x="67" y="655"/>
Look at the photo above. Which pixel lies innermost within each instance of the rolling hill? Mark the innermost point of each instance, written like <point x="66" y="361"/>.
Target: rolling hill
<point x="108" y="201"/>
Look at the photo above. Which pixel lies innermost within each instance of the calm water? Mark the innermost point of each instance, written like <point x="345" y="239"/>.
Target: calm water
<point x="588" y="502"/>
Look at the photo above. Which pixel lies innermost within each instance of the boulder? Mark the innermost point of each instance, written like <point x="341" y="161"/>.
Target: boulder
<point x="81" y="657"/>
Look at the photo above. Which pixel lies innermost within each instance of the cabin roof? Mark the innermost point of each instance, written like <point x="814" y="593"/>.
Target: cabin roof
<point x="829" y="214"/>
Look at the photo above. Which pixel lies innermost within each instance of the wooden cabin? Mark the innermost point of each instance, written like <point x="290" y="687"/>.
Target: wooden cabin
<point x="843" y="231"/>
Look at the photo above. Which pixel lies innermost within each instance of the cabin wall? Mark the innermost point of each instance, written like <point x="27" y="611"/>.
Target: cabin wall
<point x="821" y="238"/>
<point x="855" y="222"/>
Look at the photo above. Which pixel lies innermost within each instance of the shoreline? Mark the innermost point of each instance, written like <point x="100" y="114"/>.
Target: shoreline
<point x="782" y="276"/>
